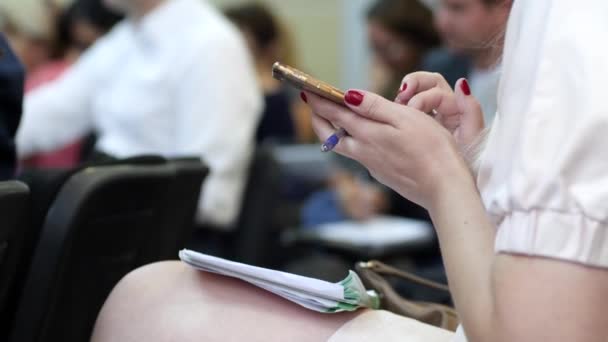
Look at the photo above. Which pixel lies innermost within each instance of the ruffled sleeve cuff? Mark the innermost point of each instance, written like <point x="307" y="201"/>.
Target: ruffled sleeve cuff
<point x="552" y="234"/>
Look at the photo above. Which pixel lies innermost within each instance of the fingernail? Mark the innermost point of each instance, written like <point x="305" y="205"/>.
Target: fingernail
<point x="353" y="97"/>
<point x="303" y="97"/>
<point x="402" y="89"/>
<point x="464" y="86"/>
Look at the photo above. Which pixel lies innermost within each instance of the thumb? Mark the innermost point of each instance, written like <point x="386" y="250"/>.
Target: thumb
<point x="472" y="121"/>
<point x="371" y="106"/>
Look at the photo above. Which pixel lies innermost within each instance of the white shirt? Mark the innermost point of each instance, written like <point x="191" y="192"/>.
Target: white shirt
<point x="179" y="82"/>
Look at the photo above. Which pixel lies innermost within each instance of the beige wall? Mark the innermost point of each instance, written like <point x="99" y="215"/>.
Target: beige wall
<point x="316" y="26"/>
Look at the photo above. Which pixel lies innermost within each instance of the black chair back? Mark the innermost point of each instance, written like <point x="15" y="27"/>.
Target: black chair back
<point x="101" y="226"/>
<point x="14" y="197"/>
<point x="182" y="205"/>
<point x="256" y="233"/>
<point x="45" y="185"/>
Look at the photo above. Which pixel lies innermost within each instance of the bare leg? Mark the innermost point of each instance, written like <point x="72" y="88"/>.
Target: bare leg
<point x="170" y="301"/>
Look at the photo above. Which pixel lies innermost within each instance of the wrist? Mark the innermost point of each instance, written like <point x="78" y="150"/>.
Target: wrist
<point x="452" y="182"/>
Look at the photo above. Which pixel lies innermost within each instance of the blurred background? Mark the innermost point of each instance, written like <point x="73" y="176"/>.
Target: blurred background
<point x="329" y="36"/>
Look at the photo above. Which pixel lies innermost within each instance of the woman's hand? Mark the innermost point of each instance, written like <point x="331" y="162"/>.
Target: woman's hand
<point x="400" y="146"/>
<point x="456" y="110"/>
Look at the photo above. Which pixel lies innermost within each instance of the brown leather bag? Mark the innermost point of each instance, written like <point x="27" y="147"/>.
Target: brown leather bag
<point x="373" y="274"/>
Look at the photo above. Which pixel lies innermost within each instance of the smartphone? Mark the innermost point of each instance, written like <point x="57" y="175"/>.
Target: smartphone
<point x="306" y="82"/>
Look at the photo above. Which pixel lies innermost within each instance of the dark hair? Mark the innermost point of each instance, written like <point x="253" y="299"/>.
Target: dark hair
<point x="256" y="19"/>
<point x="409" y="19"/>
<point x="94" y="12"/>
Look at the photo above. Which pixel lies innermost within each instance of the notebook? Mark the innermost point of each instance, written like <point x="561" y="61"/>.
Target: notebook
<point x="314" y="294"/>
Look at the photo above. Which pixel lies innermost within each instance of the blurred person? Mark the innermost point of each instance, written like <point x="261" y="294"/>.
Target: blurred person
<point x="174" y="79"/>
<point x="352" y="194"/>
<point x="470" y="30"/>
<point x="521" y="217"/>
<point x="400" y="33"/>
<point x="77" y="27"/>
<point x="28" y="28"/>
<point x="285" y="118"/>
<point x="11" y="96"/>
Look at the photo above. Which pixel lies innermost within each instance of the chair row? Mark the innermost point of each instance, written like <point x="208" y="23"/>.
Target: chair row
<point x="59" y="263"/>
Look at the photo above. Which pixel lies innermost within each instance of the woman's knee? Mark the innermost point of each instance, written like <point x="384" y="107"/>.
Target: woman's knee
<point x="139" y="301"/>
<point x="170" y="300"/>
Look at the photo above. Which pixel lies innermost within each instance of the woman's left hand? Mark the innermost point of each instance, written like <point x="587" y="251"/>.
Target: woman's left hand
<point x="401" y="147"/>
<point x="457" y="110"/>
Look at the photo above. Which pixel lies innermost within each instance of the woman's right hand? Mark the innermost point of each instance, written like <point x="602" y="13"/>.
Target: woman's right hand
<point x="456" y="110"/>
<point x="400" y="146"/>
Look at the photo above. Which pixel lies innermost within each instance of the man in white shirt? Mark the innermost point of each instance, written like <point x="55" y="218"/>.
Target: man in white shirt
<point x="174" y="79"/>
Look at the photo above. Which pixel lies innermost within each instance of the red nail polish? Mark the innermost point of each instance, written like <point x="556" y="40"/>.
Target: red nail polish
<point x="303" y="97"/>
<point x="353" y="97"/>
<point x="402" y="89"/>
<point x="464" y="86"/>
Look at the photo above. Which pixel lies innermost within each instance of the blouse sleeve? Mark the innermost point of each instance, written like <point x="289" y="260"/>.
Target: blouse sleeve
<point x="544" y="176"/>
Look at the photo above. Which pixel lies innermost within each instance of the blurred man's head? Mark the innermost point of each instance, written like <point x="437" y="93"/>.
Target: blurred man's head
<point x="468" y="26"/>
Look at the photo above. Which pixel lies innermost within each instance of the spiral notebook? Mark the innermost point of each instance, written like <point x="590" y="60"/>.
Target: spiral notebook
<point x="314" y="294"/>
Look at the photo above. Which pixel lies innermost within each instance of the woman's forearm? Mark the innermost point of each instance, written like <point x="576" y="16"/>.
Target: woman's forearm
<point x="466" y="237"/>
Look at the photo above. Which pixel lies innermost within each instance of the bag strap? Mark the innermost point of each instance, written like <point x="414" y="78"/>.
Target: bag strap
<point x="382" y="268"/>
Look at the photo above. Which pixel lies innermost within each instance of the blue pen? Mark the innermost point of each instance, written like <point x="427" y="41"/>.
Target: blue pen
<point x="333" y="140"/>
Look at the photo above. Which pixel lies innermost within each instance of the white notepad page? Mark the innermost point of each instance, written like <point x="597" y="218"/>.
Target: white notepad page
<point x="311" y="293"/>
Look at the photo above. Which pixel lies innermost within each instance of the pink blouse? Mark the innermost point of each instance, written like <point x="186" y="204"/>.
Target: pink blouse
<point x="544" y="173"/>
